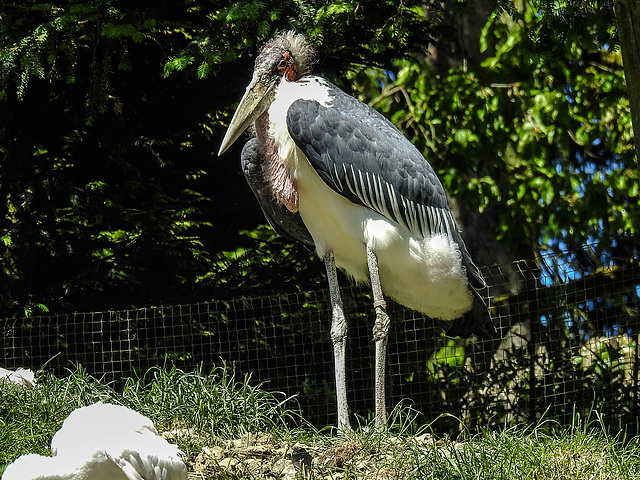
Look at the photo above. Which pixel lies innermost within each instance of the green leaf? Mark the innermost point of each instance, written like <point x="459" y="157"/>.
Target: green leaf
<point x="464" y="137"/>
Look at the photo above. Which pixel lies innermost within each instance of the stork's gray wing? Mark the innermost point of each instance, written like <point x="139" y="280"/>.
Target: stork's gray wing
<point x="477" y="320"/>
<point x="365" y="158"/>
<point x="281" y="220"/>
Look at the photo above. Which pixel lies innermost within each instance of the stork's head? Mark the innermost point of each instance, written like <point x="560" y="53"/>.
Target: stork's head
<point x="289" y="56"/>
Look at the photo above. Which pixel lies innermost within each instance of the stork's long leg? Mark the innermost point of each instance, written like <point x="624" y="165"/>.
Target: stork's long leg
<point x="339" y="340"/>
<point x="380" y="336"/>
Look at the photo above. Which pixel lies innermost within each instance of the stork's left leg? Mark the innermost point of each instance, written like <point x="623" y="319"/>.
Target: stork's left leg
<point x="339" y="340"/>
<point x="380" y="335"/>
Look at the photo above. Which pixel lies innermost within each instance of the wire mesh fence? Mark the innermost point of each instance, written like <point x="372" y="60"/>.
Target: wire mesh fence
<point x="568" y="339"/>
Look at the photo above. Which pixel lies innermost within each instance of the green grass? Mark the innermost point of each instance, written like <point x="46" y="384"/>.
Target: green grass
<point x="532" y="454"/>
<point x="218" y="409"/>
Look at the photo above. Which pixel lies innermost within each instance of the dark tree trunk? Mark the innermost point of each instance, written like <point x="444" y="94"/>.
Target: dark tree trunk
<point x="463" y="24"/>
<point x="628" y="23"/>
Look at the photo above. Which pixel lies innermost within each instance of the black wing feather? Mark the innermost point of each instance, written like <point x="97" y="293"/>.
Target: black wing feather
<point x="281" y="220"/>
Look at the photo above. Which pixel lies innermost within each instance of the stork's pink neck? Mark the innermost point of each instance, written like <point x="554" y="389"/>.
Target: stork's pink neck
<point x="276" y="172"/>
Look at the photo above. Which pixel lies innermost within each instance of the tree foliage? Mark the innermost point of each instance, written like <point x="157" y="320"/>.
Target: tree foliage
<point x="112" y="112"/>
<point x="111" y="191"/>
<point x="546" y="137"/>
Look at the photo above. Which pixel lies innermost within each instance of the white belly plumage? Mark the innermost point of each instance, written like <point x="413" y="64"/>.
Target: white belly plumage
<point x="424" y="274"/>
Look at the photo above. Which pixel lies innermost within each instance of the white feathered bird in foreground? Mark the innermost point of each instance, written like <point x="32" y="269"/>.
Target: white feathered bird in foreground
<point x="22" y="376"/>
<point x="103" y="442"/>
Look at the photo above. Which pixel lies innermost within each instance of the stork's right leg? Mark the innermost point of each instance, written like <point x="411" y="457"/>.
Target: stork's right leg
<point x="380" y="335"/>
<point x="339" y="340"/>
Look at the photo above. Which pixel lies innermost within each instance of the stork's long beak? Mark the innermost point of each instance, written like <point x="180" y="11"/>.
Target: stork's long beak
<point x="254" y="103"/>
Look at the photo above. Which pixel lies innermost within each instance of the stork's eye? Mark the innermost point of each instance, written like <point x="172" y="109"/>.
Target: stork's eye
<point x="287" y="67"/>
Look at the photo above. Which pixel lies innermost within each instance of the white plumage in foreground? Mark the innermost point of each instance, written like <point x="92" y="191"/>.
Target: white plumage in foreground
<point x="103" y="442"/>
<point x="22" y="376"/>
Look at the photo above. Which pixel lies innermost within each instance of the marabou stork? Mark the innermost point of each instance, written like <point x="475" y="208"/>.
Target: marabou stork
<point x="103" y="442"/>
<point x="331" y="172"/>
